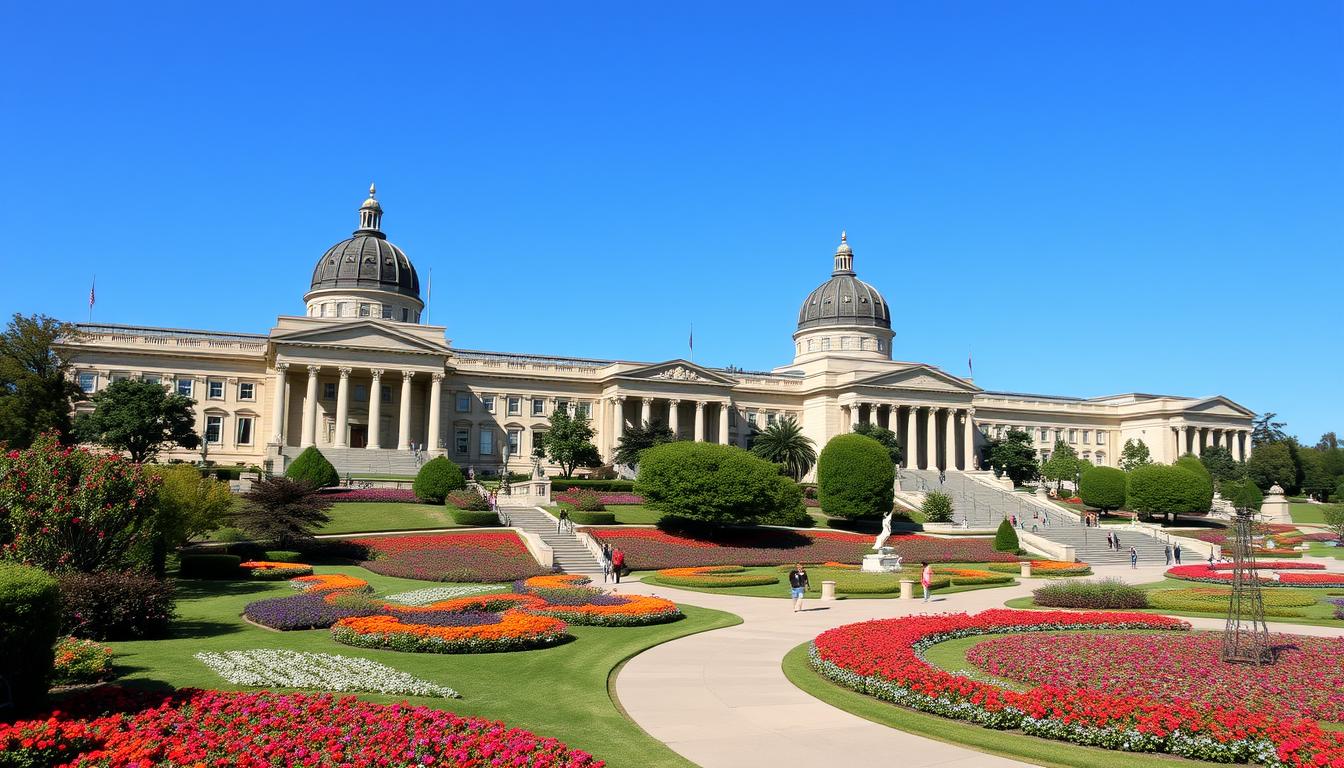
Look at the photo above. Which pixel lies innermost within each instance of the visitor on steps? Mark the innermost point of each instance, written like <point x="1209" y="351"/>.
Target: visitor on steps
<point x="1116" y="538"/>
<point x="926" y="580"/>
<point x="798" y="585"/>
<point x="1110" y="541"/>
<point x="1133" y="558"/>
<point x="617" y="563"/>
<point x="1177" y="552"/>
<point x="1166" y="552"/>
<point x="562" y="520"/>
<point x="606" y="562"/>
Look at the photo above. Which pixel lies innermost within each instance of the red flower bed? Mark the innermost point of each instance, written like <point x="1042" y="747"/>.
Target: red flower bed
<point x="651" y="549"/>
<point x="1274" y="565"/>
<point x="884" y="659"/>
<point x="258" y="730"/>
<point x="571" y="496"/>
<point x="1221" y="573"/>
<point x="452" y="557"/>
<point x="387" y="495"/>
<point x="1312" y="579"/>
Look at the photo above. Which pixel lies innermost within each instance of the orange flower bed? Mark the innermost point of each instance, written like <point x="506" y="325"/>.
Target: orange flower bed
<point x="489" y="602"/>
<point x="615" y="610"/>
<point x="329" y="582"/>
<point x="1045" y="568"/>
<point x="271" y="571"/>
<point x="556" y="580"/>
<point x="510" y="631"/>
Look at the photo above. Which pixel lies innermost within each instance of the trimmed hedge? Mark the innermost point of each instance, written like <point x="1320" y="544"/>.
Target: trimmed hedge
<point x="283" y="556"/>
<point x="474" y="518"/>
<point x="855" y="477"/>
<point x="1104" y="593"/>
<point x="210" y="567"/>
<point x="589" y="501"/>
<point x="30" y="621"/>
<point x="614" y="486"/>
<point x="592" y="518"/>
<point x="1103" y="488"/>
<point x="437" y="478"/>
<point x="313" y="468"/>
<point x="1161" y="490"/>
<point x="1280" y="602"/>
<point x="711" y="483"/>
<point x="115" y="605"/>
<point x="714" y="577"/>
<point x="1005" y="538"/>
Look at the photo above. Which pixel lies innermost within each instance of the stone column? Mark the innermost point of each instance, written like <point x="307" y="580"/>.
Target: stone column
<point x="911" y="438"/>
<point x="968" y="450"/>
<point x="618" y="430"/>
<point x="853" y="416"/>
<point x="342" y="409"/>
<point x="1250" y="445"/>
<point x="404" y="425"/>
<point x="435" y="412"/>
<point x="1182" y="440"/>
<point x="1199" y="441"/>
<point x="699" y="421"/>
<point x="310" y="408"/>
<point x="931" y="447"/>
<point x="645" y="411"/>
<point x="674" y="418"/>
<point x="278" y="405"/>
<point x="950" y="444"/>
<point x="723" y="422"/>
<point x="375" y="408"/>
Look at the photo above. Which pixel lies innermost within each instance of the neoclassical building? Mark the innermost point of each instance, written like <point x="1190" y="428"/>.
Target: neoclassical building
<point x="359" y="376"/>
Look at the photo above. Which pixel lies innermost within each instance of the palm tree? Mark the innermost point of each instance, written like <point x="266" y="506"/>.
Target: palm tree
<point x="784" y="443"/>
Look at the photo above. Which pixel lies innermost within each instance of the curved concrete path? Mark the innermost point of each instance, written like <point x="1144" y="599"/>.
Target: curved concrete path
<point x="720" y="698"/>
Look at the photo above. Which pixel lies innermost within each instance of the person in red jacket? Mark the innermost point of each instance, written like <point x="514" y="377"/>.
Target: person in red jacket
<point x="617" y="563"/>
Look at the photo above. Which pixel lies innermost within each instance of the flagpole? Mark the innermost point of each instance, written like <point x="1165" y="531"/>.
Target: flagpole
<point x="92" y="285"/>
<point x="690" y="340"/>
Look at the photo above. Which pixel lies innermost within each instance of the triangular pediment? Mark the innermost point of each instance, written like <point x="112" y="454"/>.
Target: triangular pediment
<point x="361" y="334"/>
<point x="922" y="377"/>
<point x="678" y="371"/>
<point x="1220" y="406"/>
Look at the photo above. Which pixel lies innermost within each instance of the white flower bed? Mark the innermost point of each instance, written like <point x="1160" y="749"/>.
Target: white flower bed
<point x="435" y="594"/>
<point x="273" y="668"/>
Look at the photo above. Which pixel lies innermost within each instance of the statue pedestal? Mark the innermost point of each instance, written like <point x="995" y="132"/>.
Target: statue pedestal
<point x="907" y="589"/>
<point x="882" y="561"/>
<point x="1274" y="509"/>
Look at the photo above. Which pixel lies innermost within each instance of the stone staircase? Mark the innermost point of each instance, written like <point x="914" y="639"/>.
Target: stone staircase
<point x="570" y="555"/>
<point x="363" y="461"/>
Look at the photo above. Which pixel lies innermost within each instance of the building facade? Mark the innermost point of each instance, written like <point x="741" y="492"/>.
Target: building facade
<point x="362" y="379"/>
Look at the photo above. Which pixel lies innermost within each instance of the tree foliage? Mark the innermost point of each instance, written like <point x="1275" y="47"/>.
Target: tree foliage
<point x="1322" y="469"/>
<point x="569" y="442"/>
<point x="437" y="478"/>
<point x="785" y="444"/>
<point x="1014" y="455"/>
<point x="187" y="505"/>
<point x="1005" y="538"/>
<point x="1270" y="464"/>
<point x="1062" y="465"/>
<point x="1242" y="493"/>
<point x="713" y="483"/>
<point x="937" y="507"/>
<point x="1103" y="488"/>
<point x="312" y="467"/>
<point x="884" y="436"/>
<point x="283" y="510"/>
<point x="1134" y="454"/>
<point x="856" y="478"/>
<point x="1334" y="519"/>
<point x="1266" y="430"/>
<point x="1220" y="465"/>
<point x="1160" y="490"/>
<point x="139" y="417"/>
<point x="639" y="437"/>
<point x="35" y="387"/>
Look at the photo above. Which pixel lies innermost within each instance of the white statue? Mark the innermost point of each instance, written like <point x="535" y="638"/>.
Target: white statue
<point x="885" y="534"/>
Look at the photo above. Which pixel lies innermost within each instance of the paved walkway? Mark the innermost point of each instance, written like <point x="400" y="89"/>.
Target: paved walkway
<point x="721" y="700"/>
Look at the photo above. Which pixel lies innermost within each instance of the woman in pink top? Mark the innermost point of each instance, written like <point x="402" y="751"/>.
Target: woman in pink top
<point x="926" y="578"/>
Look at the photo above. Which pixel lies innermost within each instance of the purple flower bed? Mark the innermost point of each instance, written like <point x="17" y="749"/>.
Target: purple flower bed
<point x="304" y="611"/>
<point x="1339" y="607"/>
<point x="390" y="495"/>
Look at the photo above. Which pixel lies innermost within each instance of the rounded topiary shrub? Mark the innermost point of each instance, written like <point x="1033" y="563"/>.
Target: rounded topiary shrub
<point x="30" y="621"/>
<point x="1103" y="488"/>
<point x="589" y="501"/>
<point x="438" y="478"/>
<point x="1005" y="538"/>
<point x="937" y="507"/>
<point x="115" y="605"/>
<point x="1159" y="490"/>
<point x="855" y="477"/>
<point x="715" y="484"/>
<point x="313" y="468"/>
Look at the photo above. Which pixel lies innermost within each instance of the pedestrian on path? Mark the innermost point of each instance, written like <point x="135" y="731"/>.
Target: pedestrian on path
<point x="1177" y="552"/>
<point x="617" y="563"/>
<point x="1110" y="541"/>
<point x="1167" y="553"/>
<point x="798" y="584"/>
<point x="606" y="562"/>
<point x="926" y="580"/>
<point x="1133" y="558"/>
<point x="562" y="521"/>
<point x="1116" y="536"/>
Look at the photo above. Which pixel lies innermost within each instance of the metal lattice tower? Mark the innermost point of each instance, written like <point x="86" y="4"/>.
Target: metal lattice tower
<point x="1246" y="638"/>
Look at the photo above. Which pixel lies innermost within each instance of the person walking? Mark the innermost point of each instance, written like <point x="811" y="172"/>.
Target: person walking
<point x="926" y="580"/>
<point x="606" y="562"/>
<point x="1133" y="558"/>
<point x="1177" y="551"/>
<point x="1166" y="551"/>
<point x="798" y="585"/>
<point x="617" y="563"/>
<point x="1116" y="536"/>
<point x="562" y="520"/>
<point x="1110" y="542"/>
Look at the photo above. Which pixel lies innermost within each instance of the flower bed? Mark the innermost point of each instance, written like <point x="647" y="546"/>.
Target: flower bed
<point x="381" y="495"/>
<point x="571" y="496"/>
<point x="268" y="571"/>
<point x="1312" y="579"/>
<point x="965" y="577"/>
<point x="486" y="557"/>
<point x="439" y="594"/>
<point x="884" y="659"/>
<point x="322" y="671"/>
<point x="1221" y="573"/>
<point x="330" y="582"/>
<point x="594" y="608"/>
<point x="652" y="549"/>
<point x="1046" y="568"/>
<point x="1277" y="602"/>
<point x="194" y="727"/>
<point x="81" y="661"/>
<point x="471" y="632"/>
<point x="714" y="577"/>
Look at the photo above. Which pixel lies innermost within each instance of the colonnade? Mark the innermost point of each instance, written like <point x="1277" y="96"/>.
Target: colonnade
<point x="940" y="449"/>
<point x="646" y="405"/>
<point x="308" y="422"/>
<point x="1194" y="439"/>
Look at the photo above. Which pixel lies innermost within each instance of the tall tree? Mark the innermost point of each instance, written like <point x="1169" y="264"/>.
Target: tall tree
<point x="784" y="443"/>
<point x="640" y="437"/>
<point x="35" y="386"/>
<point x="1062" y="464"/>
<point x="1220" y="464"/>
<point x="283" y="510"/>
<point x="1267" y="430"/>
<point x="1015" y="455"/>
<point x="140" y="418"/>
<point x="1134" y="454"/>
<point x="1272" y="463"/>
<point x="884" y="436"/>
<point x="569" y="442"/>
<point x="1328" y="442"/>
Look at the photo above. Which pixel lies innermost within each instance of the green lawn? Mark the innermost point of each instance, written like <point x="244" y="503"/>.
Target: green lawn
<point x="626" y="514"/>
<point x="1014" y="745"/>
<point x="1319" y="549"/>
<point x="817" y="574"/>
<point x="561" y="692"/>
<point x="1307" y="513"/>
<point x="367" y="516"/>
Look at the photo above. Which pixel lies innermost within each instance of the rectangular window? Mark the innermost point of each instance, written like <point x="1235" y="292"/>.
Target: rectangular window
<point x="539" y="440"/>
<point x="247" y="390"/>
<point x="489" y="402"/>
<point x="1087" y="437"/>
<point x="364" y="310"/>
<point x="152" y="378"/>
<point x="585" y="410"/>
<point x="214" y="389"/>
<point x="361" y="393"/>
<point x="464" y="402"/>
<point x="329" y="390"/>
<point x="88" y="381"/>
<point x="387" y="312"/>
<point x="322" y="310"/>
<point x="826" y="343"/>
<point x="214" y="428"/>
<point x="184" y="386"/>
<point x="1073" y="435"/>
<point x="732" y="417"/>
<point x="405" y="315"/>
<point x="515" y="406"/>
<point x="385" y="395"/>
<point x="1045" y="435"/>
<point x="769" y="419"/>
<point x="562" y="405"/>
<point x="751" y="418"/>
<point x="244" y="430"/>
<point x="515" y="441"/>
<point x="1059" y="435"/>
<point x="538" y="406"/>
<point x="487" y="442"/>
<point x="1101" y="437"/>
<point x="461" y="440"/>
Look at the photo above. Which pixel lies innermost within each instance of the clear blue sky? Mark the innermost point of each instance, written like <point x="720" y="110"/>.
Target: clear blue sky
<point x="1092" y="196"/>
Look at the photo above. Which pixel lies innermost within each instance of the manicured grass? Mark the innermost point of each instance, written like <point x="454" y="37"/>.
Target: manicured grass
<point x="626" y="514"/>
<point x="1007" y="744"/>
<point x="1307" y="513"/>
<point x="1319" y="549"/>
<point x="401" y="478"/>
<point x="817" y="574"/>
<point x="366" y="516"/>
<point x="560" y="692"/>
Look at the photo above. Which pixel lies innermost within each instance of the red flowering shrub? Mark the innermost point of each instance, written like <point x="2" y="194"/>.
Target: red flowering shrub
<point x="114" y="727"/>
<point x="452" y="557"/>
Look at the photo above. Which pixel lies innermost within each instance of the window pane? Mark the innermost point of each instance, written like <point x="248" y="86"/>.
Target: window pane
<point x="363" y="310"/>
<point x="463" y="402"/>
<point x="213" y="426"/>
<point x="87" y="381"/>
<point x="515" y="441"/>
<point x="487" y="442"/>
<point x="215" y="389"/>
<point x="538" y="406"/>
<point x="246" y="391"/>
<point x="489" y="402"/>
<point x="386" y="394"/>
<point x="361" y="393"/>
<point x="244" y="430"/>
<point x="329" y="391"/>
<point x="515" y="406"/>
<point x="387" y="312"/>
<point x="184" y="387"/>
<point x="460" y="440"/>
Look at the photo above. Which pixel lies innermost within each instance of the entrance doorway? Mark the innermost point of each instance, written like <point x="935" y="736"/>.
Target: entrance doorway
<point x="359" y="436"/>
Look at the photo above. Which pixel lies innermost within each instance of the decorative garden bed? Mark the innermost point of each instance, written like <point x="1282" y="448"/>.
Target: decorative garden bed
<point x="1287" y="574"/>
<point x="484" y="557"/>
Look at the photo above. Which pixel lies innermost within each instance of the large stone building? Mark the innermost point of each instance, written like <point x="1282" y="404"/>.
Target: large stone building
<point x="360" y="377"/>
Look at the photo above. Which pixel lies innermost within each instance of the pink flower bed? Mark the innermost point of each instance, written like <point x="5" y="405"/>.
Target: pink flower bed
<point x="1221" y="573"/>
<point x="388" y="495"/>
<point x="452" y="557"/>
<point x="1177" y="669"/>
<point x="571" y="496"/>
<point x="650" y="549"/>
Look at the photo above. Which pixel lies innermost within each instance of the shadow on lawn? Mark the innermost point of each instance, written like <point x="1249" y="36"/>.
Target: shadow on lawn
<point x="197" y="589"/>
<point x="183" y="630"/>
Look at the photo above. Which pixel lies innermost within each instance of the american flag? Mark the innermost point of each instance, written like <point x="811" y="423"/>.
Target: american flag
<point x="91" y="294"/>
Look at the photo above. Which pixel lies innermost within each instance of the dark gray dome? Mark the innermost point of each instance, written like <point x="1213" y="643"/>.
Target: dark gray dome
<point x="844" y="299"/>
<point x="367" y="260"/>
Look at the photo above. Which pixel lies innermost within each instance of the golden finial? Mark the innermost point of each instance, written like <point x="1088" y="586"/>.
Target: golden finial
<point x="372" y="189"/>
<point x="843" y="238"/>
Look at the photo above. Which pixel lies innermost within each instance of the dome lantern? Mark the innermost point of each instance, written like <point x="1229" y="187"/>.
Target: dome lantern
<point x="365" y="273"/>
<point x="370" y="214"/>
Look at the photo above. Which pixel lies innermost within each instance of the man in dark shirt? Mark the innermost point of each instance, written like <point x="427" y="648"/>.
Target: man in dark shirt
<point x="798" y="585"/>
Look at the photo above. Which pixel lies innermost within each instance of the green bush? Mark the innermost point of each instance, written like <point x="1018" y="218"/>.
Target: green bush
<point x="115" y="605"/>
<point x="313" y="468"/>
<point x="1159" y="490"/>
<point x="714" y="483"/>
<point x="792" y="518"/>
<point x="855" y="477"/>
<point x="474" y="517"/>
<point x="1103" y="488"/>
<point x="1242" y="492"/>
<point x="283" y="556"/>
<point x="937" y="507"/>
<point x="437" y="478"/>
<point x="612" y="486"/>
<point x="593" y="518"/>
<point x="210" y="567"/>
<point x="30" y="621"/>
<point x="1005" y="538"/>
<point x="1103" y="593"/>
<point x="589" y="501"/>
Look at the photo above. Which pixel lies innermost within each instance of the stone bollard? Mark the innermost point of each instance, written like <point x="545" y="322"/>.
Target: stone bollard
<point x="907" y="589"/>
<point x="1026" y="569"/>
<point x="828" y="590"/>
